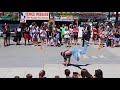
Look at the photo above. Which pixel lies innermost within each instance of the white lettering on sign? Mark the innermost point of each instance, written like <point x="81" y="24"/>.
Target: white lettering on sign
<point x="37" y="15"/>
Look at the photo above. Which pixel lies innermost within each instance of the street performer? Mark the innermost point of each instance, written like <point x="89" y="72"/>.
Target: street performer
<point x="76" y="52"/>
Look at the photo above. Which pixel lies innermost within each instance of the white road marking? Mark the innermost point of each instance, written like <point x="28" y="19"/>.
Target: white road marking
<point x="94" y="57"/>
<point x="101" y="56"/>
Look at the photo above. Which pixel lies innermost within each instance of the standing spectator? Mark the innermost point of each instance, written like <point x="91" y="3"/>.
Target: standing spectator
<point x="67" y="73"/>
<point x="67" y="37"/>
<point x="26" y="34"/>
<point x="4" y="35"/>
<point x="18" y="33"/>
<point x="31" y="29"/>
<point x="29" y="76"/>
<point x="71" y="34"/>
<point x="43" y="35"/>
<point x="84" y="37"/>
<point x="85" y="74"/>
<point x="35" y="34"/>
<point x="59" y="33"/>
<point x="42" y="74"/>
<point x="75" y="32"/>
<point x="88" y="34"/>
<point x="95" y="36"/>
<point x="117" y="37"/>
<point x="102" y="38"/>
<point x="8" y="34"/>
<point x="62" y="32"/>
<point x="51" y="28"/>
<point x="55" y="38"/>
<point x="98" y="73"/>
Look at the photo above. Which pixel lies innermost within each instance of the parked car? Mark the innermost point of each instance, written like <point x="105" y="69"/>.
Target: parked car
<point x="12" y="29"/>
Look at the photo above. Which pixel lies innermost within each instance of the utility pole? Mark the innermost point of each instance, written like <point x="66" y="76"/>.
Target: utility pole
<point x="116" y="21"/>
<point x="109" y="15"/>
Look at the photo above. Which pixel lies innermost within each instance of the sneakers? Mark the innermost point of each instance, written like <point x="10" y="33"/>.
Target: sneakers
<point x="79" y="56"/>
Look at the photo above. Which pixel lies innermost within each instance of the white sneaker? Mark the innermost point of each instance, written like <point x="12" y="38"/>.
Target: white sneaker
<point x="79" y="56"/>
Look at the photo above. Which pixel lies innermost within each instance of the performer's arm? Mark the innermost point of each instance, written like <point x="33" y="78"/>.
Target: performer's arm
<point x="68" y="52"/>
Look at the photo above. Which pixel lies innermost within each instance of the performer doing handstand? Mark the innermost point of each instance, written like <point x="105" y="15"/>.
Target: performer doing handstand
<point x="76" y="52"/>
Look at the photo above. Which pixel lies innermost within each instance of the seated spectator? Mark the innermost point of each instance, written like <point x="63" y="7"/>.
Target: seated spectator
<point x="16" y="77"/>
<point x="67" y="73"/>
<point x="75" y="75"/>
<point x="57" y="76"/>
<point x="29" y="76"/>
<point x="85" y="74"/>
<point x="98" y="73"/>
<point x="42" y="74"/>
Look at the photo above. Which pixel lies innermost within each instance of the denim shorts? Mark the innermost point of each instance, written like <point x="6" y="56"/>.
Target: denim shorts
<point x="117" y="39"/>
<point x="4" y="35"/>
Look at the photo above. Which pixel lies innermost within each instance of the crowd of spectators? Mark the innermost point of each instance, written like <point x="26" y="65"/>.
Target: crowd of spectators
<point x="84" y="73"/>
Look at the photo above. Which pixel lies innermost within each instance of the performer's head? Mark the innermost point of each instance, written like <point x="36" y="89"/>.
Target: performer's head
<point x="61" y="53"/>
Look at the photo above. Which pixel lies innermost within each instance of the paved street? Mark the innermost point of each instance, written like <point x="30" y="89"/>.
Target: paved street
<point x="20" y="60"/>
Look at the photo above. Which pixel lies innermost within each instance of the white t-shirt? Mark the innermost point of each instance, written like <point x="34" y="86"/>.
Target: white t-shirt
<point x="18" y="29"/>
<point x="43" y="33"/>
<point x="80" y="31"/>
<point x="30" y="26"/>
<point x="67" y="34"/>
<point x="71" y="31"/>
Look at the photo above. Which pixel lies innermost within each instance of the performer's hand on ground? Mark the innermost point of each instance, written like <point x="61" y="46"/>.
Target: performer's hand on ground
<point x="84" y="56"/>
<point x="65" y="67"/>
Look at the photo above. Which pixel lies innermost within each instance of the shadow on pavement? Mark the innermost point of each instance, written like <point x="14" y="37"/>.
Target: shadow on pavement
<point x="78" y="66"/>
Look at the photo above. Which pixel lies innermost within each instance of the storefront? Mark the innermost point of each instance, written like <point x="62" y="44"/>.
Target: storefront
<point x="9" y="17"/>
<point x="64" y="18"/>
<point x="92" y="16"/>
<point x="38" y="17"/>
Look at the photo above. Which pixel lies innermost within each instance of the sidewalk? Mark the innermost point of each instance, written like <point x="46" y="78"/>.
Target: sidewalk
<point x="109" y="70"/>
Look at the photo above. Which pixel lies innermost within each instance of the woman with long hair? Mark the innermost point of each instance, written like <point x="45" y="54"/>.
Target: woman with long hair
<point x="98" y="73"/>
<point x="8" y="34"/>
<point x="75" y="32"/>
<point x="95" y="35"/>
<point x="71" y="34"/>
<point x="4" y="35"/>
<point x="102" y="37"/>
<point x="43" y="36"/>
<point x="35" y="36"/>
<point x="85" y="74"/>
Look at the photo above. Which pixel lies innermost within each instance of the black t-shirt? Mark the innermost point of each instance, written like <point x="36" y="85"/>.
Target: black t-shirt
<point x="117" y="35"/>
<point x="50" y="27"/>
<point x="85" y="35"/>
